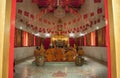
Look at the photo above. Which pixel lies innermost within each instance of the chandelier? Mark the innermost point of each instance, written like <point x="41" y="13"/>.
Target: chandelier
<point x="59" y="12"/>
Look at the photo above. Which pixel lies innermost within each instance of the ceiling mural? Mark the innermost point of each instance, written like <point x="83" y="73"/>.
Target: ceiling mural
<point x="60" y="16"/>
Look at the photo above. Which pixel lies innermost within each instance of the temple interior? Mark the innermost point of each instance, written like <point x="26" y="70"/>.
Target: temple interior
<point x="60" y="39"/>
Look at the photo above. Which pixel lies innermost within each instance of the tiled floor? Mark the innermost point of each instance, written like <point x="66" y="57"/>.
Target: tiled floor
<point x="91" y="69"/>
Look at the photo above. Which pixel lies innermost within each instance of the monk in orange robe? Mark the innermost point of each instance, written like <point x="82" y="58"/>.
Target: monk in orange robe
<point x="50" y="54"/>
<point x="80" y="52"/>
<point x="69" y="56"/>
<point x="59" y="54"/>
<point x="37" y="54"/>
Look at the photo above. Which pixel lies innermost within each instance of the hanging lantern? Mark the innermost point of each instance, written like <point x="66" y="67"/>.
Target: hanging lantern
<point x="53" y="23"/>
<point x="26" y="13"/>
<point x="78" y="19"/>
<point x="31" y="16"/>
<point x="74" y="20"/>
<point x="85" y="16"/>
<point x="69" y="22"/>
<point x="50" y="8"/>
<point x="98" y="20"/>
<point x="45" y="21"/>
<point x="20" y="11"/>
<point x="65" y="24"/>
<point x="92" y="14"/>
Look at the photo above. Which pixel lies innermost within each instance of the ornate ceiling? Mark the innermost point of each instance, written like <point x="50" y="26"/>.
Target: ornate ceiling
<point x="60" y="16"/>
<point x="55" y="3"/>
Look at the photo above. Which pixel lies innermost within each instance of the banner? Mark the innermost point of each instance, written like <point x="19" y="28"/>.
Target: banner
<point x="26" y="13"/>
<point x="99" y="10"/>
<point x="34" y="1"/>
<point x="20" y="11"/>
<point x="19" y="0"/>
<point x="97" y="1"/>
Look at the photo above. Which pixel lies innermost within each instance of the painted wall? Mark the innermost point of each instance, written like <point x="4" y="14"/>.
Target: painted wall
<point x="96" y="52"/>
<point x="23" y="52"/>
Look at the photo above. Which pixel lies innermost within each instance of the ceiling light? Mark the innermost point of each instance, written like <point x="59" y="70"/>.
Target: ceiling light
<point x="37" y="34"/>
<point x="71" y="35"/>
<point x="81" y="34"/>
<point x="32" y="32"/>
<point x="97" y="28"/>
<point x="21" y="27"/>
<point x="47" y="35"/>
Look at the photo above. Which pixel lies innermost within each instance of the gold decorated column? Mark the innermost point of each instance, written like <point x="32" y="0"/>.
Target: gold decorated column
<point x="5" y="14"/>
<point x="2" y="22"/>
<point x="116" y="29"/>
<point x="114" y="21"/>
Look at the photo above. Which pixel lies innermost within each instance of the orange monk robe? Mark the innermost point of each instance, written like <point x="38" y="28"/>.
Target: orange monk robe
<point x="36" y="54"/>
<point x="74" y="51"/>
<point x="53" y="52"/>
<point x="49" y="55"/>
<point x="69" y="55"/>
<point x="42" y="52"/>
<point x="80" y="52"/>
<point x="59" y="54"/>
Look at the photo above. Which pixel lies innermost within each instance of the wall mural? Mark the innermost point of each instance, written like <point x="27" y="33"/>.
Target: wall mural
<point x="81" y="41"/>
<point x="25" y="39"/>
<point x="18" y="38"/>
<point x="38" y="41"/>
<point x="100" y="38"/>
<point x="30" y="40"/>
<point x="101" y="41"/>
<point x="88" y="39"/>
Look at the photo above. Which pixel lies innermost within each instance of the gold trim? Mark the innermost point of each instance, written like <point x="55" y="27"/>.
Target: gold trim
<point x="112" y="44"/>
<point x="116" y="29"/>
<point x="5" y="14"/>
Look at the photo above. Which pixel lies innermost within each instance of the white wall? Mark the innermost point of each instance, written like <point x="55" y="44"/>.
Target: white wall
<point x="23" y="52"/>
<point x="96" y="52"/>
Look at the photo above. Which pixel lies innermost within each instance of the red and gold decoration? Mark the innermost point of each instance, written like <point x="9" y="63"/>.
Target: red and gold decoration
<point x="18" y="38"/>
<point x="81" y="22"/>
<point x="19" y="1"/>
<point x="25" y="38"/>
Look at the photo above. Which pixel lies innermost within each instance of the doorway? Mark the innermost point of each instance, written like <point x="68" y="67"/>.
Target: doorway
<point x="12" y="48"/>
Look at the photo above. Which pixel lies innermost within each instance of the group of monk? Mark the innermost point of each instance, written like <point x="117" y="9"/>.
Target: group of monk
<point x="56" y="54"/>
<point x="60" y="54"/>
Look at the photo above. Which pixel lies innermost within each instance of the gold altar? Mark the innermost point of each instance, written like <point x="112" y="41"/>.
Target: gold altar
<point x="60" y="41"/>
